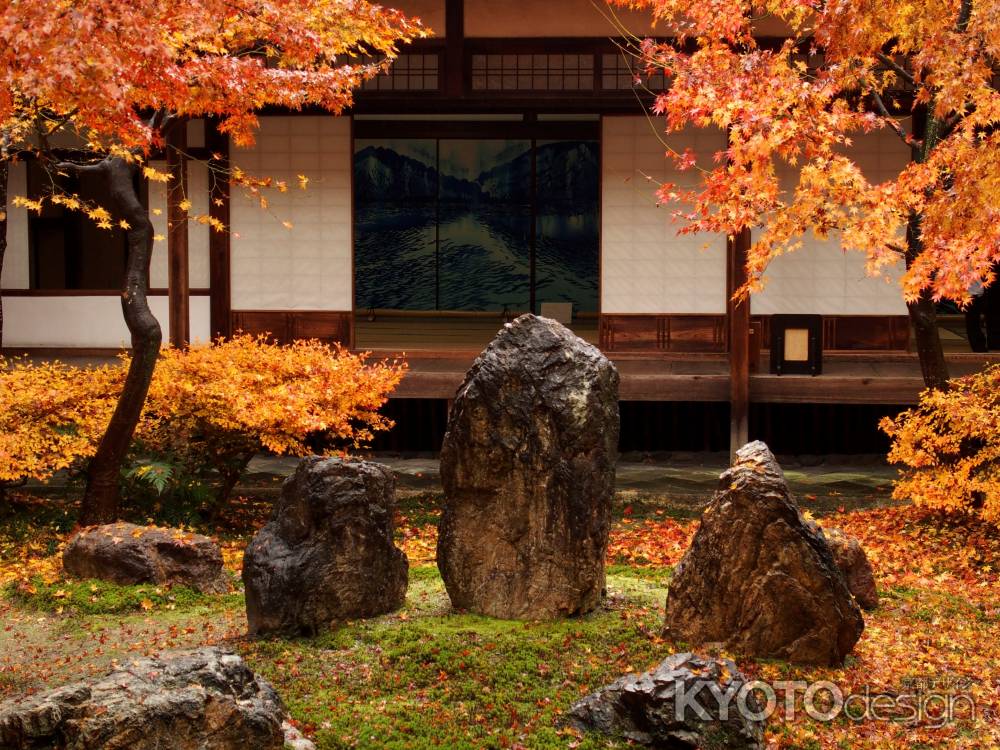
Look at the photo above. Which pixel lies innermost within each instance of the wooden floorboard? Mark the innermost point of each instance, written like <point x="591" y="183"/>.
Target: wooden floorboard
<point x="683" y="378"/>
<point x="400" y="334"/>
<point x="440" y="351"/>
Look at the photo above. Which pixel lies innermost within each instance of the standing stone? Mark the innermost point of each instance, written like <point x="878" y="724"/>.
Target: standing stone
<point x="758" y="577"/>
<point x="127" y="554"/>
<point x="200" y="699"/>
<point x="528" y="467"/>
<point x="327" y="553"/>
<point x="686" y="702"/>
<point x="853" y="563"/>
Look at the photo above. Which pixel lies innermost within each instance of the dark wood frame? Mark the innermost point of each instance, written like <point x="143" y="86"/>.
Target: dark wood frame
<point x="178" y="263"/>
<point x="329" y="326"/>
<point x="528" y="129"/>
<point x="854" y="333"/>
<point x="654" y="333"/>
<point x="456" y="95"/>
<point x="814" y="364"/>
<point x="219" y="243"/>
<point x="154" y="292"/>
<point x="741" y="356"/>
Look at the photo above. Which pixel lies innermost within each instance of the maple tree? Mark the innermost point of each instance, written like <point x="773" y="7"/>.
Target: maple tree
<point x="922" y="70"/>
<point x="949" y="445"/>
<point x="118" y="74"/>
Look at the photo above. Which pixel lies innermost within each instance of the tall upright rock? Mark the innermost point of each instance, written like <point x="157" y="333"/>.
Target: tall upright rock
<point x="758" y="577"/>
<point x="528" y="467"/>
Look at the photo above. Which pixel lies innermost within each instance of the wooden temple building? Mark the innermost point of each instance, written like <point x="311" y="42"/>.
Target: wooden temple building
<point x="507" y="164"/>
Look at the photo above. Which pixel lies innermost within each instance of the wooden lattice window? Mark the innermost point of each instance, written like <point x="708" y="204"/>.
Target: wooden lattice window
<point x="532" y="72"/>
<point x="410" y="72"/>
<point x="621" y="72"/>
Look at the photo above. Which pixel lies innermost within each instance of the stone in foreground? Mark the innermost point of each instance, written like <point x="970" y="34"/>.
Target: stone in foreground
<point x="655" y="709"/>
<point x="758" y="577"/>
<point x="528" y="467"/>
<point x="127" y="554"/>
<point x="853" y="563"/>
<point x="204" y="699"/>
<point x="327" y="553"/>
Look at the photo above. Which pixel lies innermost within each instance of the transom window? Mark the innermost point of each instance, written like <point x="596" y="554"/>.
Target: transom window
<point x="410" y="72"/>
<point x="621" y="72"/>
<point x="532" y="72"/>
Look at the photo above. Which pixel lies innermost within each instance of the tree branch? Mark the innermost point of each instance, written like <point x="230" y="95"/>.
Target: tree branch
<point x="949" y="125"/>
<point x="896" y="68"/>
<point x="914" y="144"/>
<point x="897" y="248"/>
<point x="75" y="168"/>
<point x="964" y="15"/>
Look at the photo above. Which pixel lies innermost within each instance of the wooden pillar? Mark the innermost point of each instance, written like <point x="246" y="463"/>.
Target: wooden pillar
<point x="738" y="314"/>
<point x="219" y="242"/>
<point x="179" y="287"/>
<point x="454" y="48"/>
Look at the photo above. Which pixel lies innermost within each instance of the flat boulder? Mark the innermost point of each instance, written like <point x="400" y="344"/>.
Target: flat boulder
<point x="758" y="577"/>
<point x="853" y="563"/>
<point x="127" y="554"/>
<point x="327" y="554"/>
<point x="686" y="702"/>
<point x="201" y="699"/>
<point x="528" y="468"/>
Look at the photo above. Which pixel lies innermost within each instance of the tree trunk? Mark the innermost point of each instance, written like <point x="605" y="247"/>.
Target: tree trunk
<point x="4" y="173"/>
<point x="923" y="316"/>
<point x="102" y="496"/>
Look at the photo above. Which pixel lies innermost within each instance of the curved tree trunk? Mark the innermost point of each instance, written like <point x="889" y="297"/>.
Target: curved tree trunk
<point x="923" y="316"/>
<point x="102" y="499"/>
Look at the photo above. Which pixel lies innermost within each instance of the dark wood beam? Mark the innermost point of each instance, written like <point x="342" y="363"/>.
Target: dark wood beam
<point x="219" y="242"/>
<point x="526" y="130"/>
<point x="454" y="48"/>
<point x="178" y="277"/>
<point x="738" y="313"/>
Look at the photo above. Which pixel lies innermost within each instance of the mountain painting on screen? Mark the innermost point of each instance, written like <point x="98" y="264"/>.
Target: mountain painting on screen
<point x="447" y="223"/>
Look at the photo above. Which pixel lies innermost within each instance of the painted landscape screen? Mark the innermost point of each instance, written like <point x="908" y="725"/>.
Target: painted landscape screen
<point x="460" y="224"/>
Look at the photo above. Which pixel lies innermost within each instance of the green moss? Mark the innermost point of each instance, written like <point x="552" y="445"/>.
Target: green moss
<point x="420" y="508"/>
<point x="653" y="573"/>
<point x="429" y="677"/>
<point x="424" y="573"/>
<point x="93" y="597"/>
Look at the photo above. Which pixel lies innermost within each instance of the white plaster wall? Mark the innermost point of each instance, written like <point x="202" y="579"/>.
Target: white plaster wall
<point x="307" y="267"/>
<point x="555" y="18"/>
<point x="198" y="234"/>
<point x="90" y="322"/>
<point x="646" y="267"/>
<point x="821" y="278"/>
<point x="15" y="264"/>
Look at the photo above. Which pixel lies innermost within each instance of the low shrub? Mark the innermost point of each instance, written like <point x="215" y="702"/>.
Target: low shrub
<point x="210" y="409"/>
<point x="52" y="416"/>
<point x="949" y="445"/>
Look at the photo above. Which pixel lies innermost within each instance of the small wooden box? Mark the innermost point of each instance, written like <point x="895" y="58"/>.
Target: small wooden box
<point x="796" y="344"/>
